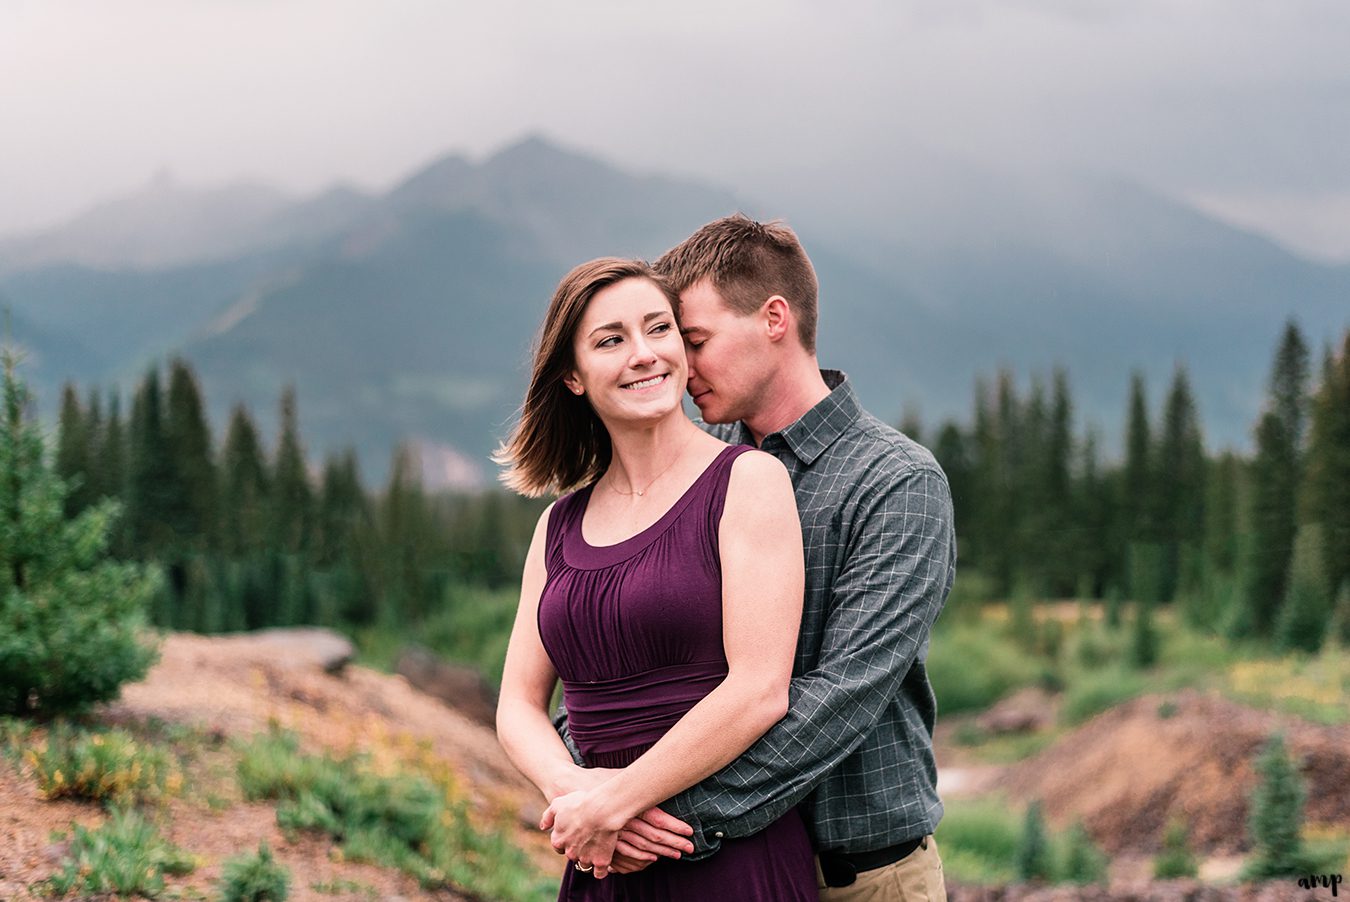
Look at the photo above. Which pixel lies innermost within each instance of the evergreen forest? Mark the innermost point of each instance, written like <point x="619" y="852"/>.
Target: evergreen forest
<point x="1246" y="546"/>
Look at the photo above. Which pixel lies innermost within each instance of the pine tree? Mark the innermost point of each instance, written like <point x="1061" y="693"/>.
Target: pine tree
<point x="94" y="428"/>
<point x="1084" y="862"/>
<point x="1033" y="849"/>
<point x="292" y="497"/>
<point x="1137" y="485"/>
<point x="910" y="423"/>
<point x="151" y="483"/>
<point x="1276" y="475"/>
<point x="1182" y="465"/>
<point x="952" y="451"/>
<point x="406" y="525"/>
<point x="1308" y="602"/>
<point x="1094" y="514"/>
<point x="1060" y="534"/>
<point x="1289" y="384"/>
<point x="1274" y="484"/>
<point x="245" y="488"/>
<point x="1326" y="488"/>
<point x="1275" y="818"/>
<point x="188" y="439"/>
<point x="72" y="452"/>
<point x="345" y="537"/>
<point x="70" y="619"/>
<point x="988" y="504"/>
<point x="1176" y="861"/>
<point x="1143" y="636"/>
<point x="113" y="459"/>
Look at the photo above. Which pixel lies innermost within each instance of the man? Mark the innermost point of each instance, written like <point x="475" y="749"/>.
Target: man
<point x="855" y="748"/>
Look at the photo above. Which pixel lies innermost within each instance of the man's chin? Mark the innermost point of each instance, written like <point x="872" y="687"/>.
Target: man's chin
<point x="712" y="415"/>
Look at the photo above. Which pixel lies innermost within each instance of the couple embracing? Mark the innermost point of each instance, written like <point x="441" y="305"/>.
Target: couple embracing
<point x="739" y="610"/>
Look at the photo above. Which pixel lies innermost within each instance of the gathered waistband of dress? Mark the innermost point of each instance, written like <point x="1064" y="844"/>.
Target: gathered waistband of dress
<point x="636" y="710"/>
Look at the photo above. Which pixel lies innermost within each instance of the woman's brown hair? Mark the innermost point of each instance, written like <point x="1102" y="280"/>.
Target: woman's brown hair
<point x="559" y="443"/>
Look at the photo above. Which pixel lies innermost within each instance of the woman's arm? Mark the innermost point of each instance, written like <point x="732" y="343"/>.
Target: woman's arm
<point x="763" y="576"/>
<point x="528" y="678"/>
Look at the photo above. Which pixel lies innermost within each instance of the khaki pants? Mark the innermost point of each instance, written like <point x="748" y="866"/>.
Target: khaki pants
<point x="915" y="878"/>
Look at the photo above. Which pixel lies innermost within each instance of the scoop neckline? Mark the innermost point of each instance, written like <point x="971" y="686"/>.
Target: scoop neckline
<point x="582" y="555"/>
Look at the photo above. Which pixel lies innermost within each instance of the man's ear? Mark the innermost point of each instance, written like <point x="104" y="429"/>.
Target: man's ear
<point x="777" y="317"/>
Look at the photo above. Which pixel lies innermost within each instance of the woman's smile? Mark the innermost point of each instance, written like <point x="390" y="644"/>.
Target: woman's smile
<point x="643" y="384"/>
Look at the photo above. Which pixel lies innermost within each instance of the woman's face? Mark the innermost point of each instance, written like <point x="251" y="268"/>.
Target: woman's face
<point x="629" y="354"/>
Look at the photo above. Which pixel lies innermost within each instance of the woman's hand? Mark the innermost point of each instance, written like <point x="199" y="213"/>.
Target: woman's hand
<point x="585" y="829"/>
<point x="651" y="835"/>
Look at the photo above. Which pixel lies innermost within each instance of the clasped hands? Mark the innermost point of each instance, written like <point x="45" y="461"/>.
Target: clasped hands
<point x="587" y="828"/>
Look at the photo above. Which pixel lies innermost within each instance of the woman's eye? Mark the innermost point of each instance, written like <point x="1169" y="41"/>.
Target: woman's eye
<point x="660" y="328"/>
<point x="608" y="342"/>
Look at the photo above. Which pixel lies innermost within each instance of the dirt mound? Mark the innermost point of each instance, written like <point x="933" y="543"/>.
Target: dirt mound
<point x="236" y="686"/>
<point x="1191" y="755"/>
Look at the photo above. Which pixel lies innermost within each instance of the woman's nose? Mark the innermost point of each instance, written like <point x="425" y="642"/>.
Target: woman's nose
<point x="642" y="354"/>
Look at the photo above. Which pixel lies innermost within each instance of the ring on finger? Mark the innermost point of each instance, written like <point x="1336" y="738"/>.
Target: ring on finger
<point x="586" y="870"/>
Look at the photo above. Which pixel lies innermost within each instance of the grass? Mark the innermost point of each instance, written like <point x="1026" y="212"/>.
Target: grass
<point x="1316" y="687"/>
<point x="979" y="840"/>
<point x="1004" y="748"/>
<point x="126" y="856"/>
<point x="109" y="766"/>
<point x="254" y="877"/>
<point x="973" y="664"/>
<point x="471" y="627"/>
<point x="1092" y="692"/>
<point x="406" y="819"/>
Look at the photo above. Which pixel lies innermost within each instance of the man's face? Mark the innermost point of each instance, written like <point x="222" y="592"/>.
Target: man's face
<point x="728" y="361"/>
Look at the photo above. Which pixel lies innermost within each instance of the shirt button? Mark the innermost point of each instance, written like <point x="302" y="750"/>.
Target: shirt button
<point x="718" y="834"/>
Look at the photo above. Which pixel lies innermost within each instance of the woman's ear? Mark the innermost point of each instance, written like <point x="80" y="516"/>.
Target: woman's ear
<point x="573" y="384"/>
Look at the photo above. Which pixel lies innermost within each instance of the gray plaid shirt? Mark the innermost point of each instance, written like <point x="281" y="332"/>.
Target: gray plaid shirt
<point x="855" y="748"/>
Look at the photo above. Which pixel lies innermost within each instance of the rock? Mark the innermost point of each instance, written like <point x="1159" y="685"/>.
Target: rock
<point x="304" y="646"/>
<point x="1026" y="711"/>
<point x="459" y="687"/>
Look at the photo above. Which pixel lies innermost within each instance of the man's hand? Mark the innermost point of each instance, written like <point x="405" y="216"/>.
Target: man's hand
<point x="657" y="833"/>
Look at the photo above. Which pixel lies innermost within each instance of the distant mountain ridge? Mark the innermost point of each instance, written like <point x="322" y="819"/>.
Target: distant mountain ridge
<point x="408" y="314"/>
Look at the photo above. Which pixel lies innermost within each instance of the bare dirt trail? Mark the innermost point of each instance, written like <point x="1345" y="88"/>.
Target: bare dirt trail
<point x="234" y="687"/>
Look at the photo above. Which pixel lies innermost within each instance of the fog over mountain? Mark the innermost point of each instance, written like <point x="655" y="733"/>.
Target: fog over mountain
<point x="407" y="314"/>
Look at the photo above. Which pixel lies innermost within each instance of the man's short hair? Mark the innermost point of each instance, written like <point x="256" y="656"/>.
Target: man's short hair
<point x="748" y="262"/>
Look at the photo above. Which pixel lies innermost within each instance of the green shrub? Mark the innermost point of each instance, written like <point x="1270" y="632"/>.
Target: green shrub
<point x="105" y="766"/>
<point x="1094" y="692"/>
<point x="1176" y="860"/>
<point x="979" y="841"/>
<point x="70" y="618"/>
<point x="473" y="628"/>
<point x="1275" y="817"/>
<point x="1080" y="860"/>
<point x="1143" y="650"/>
<point x="1308" y="603"/>
<point x="1033" y="858"/>
<point x="126" y="856"/>
<point x="403" y="820"/>
<point x="254" y="877"/>
<point x="971" y="667"/>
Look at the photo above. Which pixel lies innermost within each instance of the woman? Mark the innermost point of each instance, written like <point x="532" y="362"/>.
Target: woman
<point x="665" y="592"/>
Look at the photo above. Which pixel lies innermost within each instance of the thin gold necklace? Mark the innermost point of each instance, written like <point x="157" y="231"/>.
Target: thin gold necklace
<point x="647" y="488"/>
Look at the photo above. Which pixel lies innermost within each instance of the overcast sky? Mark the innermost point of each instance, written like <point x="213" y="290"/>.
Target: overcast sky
<point x="1240" y="106"/>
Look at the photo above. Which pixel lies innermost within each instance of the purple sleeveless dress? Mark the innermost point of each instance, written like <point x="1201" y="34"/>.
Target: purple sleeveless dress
<point x="635" y="632"/>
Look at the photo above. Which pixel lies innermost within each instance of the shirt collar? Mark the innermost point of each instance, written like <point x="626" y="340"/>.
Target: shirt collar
<point x="817" y="429"/>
